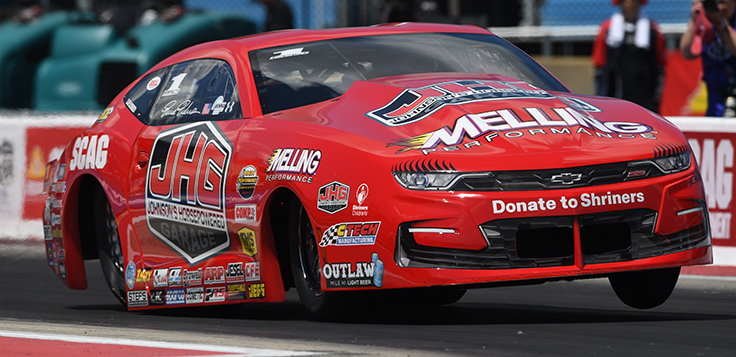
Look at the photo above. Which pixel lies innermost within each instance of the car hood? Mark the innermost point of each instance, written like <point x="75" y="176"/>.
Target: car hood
<point x="494" y="122"/>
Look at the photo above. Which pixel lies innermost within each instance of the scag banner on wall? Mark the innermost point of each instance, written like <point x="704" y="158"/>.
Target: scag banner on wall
<point x="712" y="141"/>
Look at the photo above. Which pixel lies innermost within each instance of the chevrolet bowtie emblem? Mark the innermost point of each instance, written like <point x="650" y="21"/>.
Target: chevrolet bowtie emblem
<point x="566" y="178"/>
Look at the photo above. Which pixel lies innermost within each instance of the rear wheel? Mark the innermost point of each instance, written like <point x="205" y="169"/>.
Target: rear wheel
<point x="108" y="246"/>
<point x="645" y="289"/>
<point x="305" y="266"/>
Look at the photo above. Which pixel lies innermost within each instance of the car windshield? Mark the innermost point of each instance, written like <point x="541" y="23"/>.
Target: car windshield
<point x="306" y="73"/>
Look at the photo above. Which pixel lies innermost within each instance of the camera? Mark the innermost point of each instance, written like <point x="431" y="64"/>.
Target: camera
<point x="710" y="5"/>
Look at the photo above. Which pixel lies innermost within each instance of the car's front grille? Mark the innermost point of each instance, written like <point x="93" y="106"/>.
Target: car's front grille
<point x="555" y="179"/>
<point x="549" y="241"/>
<point x="114" y="77"/>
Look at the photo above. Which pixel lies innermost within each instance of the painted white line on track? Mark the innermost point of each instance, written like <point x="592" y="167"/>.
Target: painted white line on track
<point x="155" y="344"/>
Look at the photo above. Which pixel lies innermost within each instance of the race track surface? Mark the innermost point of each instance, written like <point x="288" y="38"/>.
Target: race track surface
<point x="581" y="318"/>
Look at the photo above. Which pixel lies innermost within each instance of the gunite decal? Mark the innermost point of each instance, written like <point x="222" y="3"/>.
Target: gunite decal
<point x="185" y="190"/>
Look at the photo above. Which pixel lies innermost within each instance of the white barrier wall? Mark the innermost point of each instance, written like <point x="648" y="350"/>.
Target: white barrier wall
<point x="29" y="140"/>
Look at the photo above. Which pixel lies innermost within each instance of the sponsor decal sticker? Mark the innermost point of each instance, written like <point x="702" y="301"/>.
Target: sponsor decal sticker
<point x="161" y="278"/>
<point x="153" y="83"/>
<point x="360" y="196"/>
<point x="62" y="270"/>
<point x="293" y="165"/>
<point x="157" y="297"/>
<point x="288" y="53"/>
<point x="130" y="275"/>
<point x="143" y="275"/>
<point x="473" y="130"/>
<point x="257" y="291"/>
<point x="129" y="103"/>
<point x="216" y="294"/>
<point x="588" y="199"/>
<point x="185" y="190"/>
<point x="105" y="113"/>
<point x="245" y="213"/>
<point x="235" y="273"/>
<point x="236" y="292"/>
<point x="415" y="104"/>
<point x="195" y="295"/>
<point x="246" y="183"/>
<point x="50" y="254"/>
<point x="175" y="297"/>
<point x="214" y="275"/>
<point x="359" y="274"/>
<point x="354" y="233"/>
<point x="175" y="277"/>
<point x="89" y="152"/>
<point x="248" y="241"/>
<point x="333" y="197"/>
<point x="252" y="271"/>
<point x="137" y="298"/>
<point x="192" y="278"/>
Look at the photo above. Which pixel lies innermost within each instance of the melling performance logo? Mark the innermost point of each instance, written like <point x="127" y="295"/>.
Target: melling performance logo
<point x="293" y="165"/>
<point x="415" y="104"/>
<point x="517" y="123"/>
<point x="185" y="190"/>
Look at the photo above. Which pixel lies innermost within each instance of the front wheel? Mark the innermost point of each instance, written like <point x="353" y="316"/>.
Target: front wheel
<point x="108" y="246"/>
<point x="645" y="289"/>
<point x="305" y="266"/>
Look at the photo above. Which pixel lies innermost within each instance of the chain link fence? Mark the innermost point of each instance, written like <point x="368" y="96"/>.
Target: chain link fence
<point x="307" y="14"/>
<point x="593" y="12"/>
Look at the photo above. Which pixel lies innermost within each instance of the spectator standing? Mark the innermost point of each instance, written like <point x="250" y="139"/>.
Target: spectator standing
<point x="629" y="56"/>
<point x="278" y="15"/>
<point x="710" y="35"/>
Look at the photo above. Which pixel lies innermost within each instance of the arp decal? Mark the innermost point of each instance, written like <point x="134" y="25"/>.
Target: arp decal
<point x="293" y="165"/>
<point x="214" y="275"/>
<point x="185" y="190"/>
<point x="333" y="197"/>
<point x="89" y="152"/>
<point x="517" y="123"/>
<point x="356" y="233"/>
<point x="415" y="104"/>
<point x="246" y="183"/>
<point x="248" y="241"/>
<point x="360" y="274"/>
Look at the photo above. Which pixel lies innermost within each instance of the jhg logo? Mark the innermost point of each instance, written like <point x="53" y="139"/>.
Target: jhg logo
<point x="185" y="190"/>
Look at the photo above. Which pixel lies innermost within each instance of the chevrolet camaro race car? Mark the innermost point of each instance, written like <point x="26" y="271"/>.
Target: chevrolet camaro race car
<point x="401" y="160"/>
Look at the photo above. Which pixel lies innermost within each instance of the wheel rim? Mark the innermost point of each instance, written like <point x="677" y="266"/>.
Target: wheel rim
<point x="113" y="239"/>
<point x="308" y="254"/>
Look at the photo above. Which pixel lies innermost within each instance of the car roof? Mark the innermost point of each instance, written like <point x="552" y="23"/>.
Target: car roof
<point x="286" y="37"/>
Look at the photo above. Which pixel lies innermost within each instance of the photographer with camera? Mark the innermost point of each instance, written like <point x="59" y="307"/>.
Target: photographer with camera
<point x="710" y="35"/>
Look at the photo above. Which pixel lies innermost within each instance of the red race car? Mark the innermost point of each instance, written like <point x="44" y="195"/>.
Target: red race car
<point x="354" y="162"/>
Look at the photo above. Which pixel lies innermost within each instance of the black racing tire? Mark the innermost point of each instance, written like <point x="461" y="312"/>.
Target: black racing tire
<point x="645" y="289"/>
<point x="306" y="265"/>
<point x="109" y="248"/>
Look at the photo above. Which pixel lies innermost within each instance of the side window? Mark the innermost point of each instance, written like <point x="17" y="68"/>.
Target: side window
<point x="140" y="98"/>
<point x="196" y="90"/>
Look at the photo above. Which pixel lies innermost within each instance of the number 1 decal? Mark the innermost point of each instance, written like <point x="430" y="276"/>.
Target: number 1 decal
<point x="174" y="89"/>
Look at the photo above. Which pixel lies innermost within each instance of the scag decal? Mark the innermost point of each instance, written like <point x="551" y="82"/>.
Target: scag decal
<point x="248" y="241"/>
<point x="716" y="161"/>
<point x="356" y="233"/>
<point x="293" y="165"/>
<point x="185" y="190"/>
<point x="333" y="197"/>
<point x="415" y="104"/>
<point x="360" y="274"/>
<point x="246" y="183"/>
<point x="89" y="152"/>
<point x="517" y="123"/>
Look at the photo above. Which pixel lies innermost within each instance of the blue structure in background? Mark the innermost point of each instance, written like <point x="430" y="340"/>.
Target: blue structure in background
<point x="593" y="12"/>
<point x="308" y="14"/>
